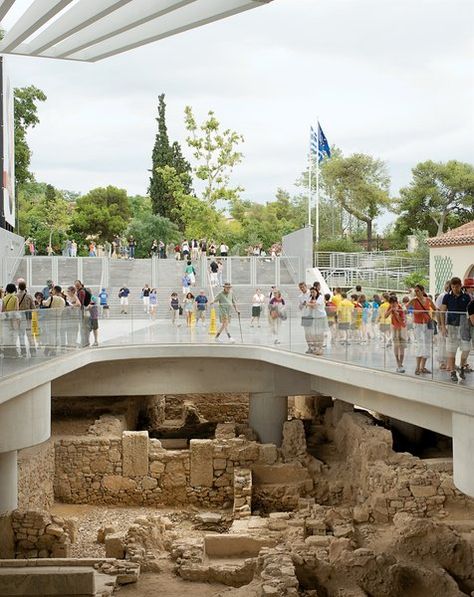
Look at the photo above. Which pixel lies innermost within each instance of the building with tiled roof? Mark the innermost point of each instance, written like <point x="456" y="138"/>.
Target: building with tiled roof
<point x="451" y="254"/>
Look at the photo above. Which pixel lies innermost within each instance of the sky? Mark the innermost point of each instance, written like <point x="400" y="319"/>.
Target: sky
<point x="393" y="79"/>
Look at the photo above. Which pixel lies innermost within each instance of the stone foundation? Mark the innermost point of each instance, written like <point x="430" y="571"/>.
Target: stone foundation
<point x="36" y="477"/>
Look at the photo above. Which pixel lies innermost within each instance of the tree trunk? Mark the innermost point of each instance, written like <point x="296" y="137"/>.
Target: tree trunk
<point x="369" y="235"/>
<point x="442" y="220"/>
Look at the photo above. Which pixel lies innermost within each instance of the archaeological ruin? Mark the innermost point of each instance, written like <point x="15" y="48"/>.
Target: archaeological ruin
<point x="176" y="495"/>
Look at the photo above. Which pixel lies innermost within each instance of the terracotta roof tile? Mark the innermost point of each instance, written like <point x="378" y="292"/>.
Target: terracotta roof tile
<point x="463" y="235"/>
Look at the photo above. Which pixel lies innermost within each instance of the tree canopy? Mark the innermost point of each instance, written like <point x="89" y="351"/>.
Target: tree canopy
<point x="440" y="195"/>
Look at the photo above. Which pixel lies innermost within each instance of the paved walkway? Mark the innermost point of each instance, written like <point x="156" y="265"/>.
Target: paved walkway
<point x="140" y="330"/>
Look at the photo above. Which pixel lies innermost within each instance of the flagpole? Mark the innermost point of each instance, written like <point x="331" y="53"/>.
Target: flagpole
<point x="310" y="191"/>
<point x="317" y="185"/>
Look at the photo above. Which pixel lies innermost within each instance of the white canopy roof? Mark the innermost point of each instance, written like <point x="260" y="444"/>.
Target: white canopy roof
<point x="90" y="30"/>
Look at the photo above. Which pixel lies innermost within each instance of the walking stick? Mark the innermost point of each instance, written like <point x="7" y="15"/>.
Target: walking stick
<point x="240" y="326"/>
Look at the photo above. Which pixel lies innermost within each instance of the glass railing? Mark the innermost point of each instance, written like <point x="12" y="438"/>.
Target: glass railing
<point x="423" y="347"/>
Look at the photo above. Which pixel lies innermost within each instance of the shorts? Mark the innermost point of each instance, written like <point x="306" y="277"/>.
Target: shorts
<point x="344" y="325"/>
<point x="454" y="340"/>
<point x="399" y="335"/>
<point x="124" y="300"/>
<point x="384" y="327"/>
<point x="256" y="311"/>
<point x="105" y="306"/>
<point x="93" y="324"/>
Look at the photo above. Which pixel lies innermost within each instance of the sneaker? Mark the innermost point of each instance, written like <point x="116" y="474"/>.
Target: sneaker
<point x="95" y="344"/>
<point x="400" y="370"/>
<point x="454" y="377"/>
<point x="219" y="339"/>
<point x="309" y="351"/>
<point x="461" y="373"/>
<point x="231" y="341"/>
<point x="277" y="341"/>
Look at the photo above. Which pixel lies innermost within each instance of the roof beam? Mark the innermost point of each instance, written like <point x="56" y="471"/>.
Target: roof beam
<point x="5" y="6"/>
<point x="129" y="17"/>
<point x="37" y="15"/>
<point x="78" y="17"/>
<point x="195" y="15"/>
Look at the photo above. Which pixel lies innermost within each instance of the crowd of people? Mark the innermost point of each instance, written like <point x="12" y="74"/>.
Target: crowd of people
<point x="48" y="320"/>
<point x="445" y="321"/>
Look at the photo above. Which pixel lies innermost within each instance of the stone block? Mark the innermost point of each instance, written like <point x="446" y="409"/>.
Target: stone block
<point x="156" y="468"/>
<point x="268" y="453"/>
<point x="423" y="490"/>
<point x="115" y="546"/>
<point x="47" y="581"/>
<point x="202" y="472"/>
<point x="135" y="453"/>
<point x="235" y="545"/>
<point x="148" y="483"/>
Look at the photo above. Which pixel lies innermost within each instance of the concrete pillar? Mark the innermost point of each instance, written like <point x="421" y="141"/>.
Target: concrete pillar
<point x="8" y="481"/>
<point x="463" y="449"/>
<point x="267" y="413"/>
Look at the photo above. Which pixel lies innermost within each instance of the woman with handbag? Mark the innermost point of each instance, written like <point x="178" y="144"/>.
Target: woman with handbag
<point x="423" y="307"/>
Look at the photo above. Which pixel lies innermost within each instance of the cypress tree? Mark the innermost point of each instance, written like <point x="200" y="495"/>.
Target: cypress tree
<point x="164" y="154"/>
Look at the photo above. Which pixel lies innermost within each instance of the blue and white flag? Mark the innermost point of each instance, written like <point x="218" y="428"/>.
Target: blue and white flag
<point x="319" y="145"/>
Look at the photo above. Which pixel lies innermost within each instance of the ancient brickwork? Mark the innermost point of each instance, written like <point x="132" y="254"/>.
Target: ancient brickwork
<point x="36" y="477"/>
<point x="242" y="493"/>
<point x="219" y="408"/>
<point x="114" y="470"/>
<point x="385" y="482"/>
<point x="37" y="534"/>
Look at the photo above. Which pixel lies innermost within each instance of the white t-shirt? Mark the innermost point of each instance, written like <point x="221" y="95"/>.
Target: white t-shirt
<point x="224" y="248"/>
<point x="439" y="300"/>
<point x="319" y="310"/>
<point x="303" y="298"/>
<point x="258" y="300"/>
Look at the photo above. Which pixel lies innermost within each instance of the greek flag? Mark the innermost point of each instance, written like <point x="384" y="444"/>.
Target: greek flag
<point x="319" y="144"/>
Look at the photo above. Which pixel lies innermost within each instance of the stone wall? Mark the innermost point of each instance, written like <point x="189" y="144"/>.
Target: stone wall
<point x="37" y="534"/>
<point x="220" y="408"/>
<point x="383" y="482"/>
<point x="36" y="477"/>
<point x="136" y="470"/>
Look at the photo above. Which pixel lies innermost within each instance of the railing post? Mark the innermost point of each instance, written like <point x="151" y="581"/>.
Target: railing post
<point x="54" y="269"/>
<point x="154" y="271"/>
<point x="277" y="272"/>
<point x="29" y="269"/>
<point x="80" y="269"/>
<point x="253" y="271"/>
<point x="229" y="270"/>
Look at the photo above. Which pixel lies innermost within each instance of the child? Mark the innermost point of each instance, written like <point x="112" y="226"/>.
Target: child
<point x="153" y="303"/>
<point x="188" y="308"/>
<point x="186" y="284"/>
<point x="103" y="298"/>
<point x="201" y="304"/>
<point x="399" y="330"/>
<point x="175" y="309"/>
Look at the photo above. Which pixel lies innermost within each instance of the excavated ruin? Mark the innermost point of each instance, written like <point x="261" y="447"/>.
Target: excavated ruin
<point x="170" y="495"/>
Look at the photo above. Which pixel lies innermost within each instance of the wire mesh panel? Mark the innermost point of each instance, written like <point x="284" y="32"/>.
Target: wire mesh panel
<point x="16" y="268"/>
<point x="41" y="270"/>
<point x="290" y="270"/>
<point x="266" y="271"/>
<point x="92" y="270"/>
<point x="241" y="270"/>
<point x="67" y="271"/>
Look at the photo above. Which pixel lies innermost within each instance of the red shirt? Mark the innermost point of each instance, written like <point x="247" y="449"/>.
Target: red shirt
<point x="420" y="314"/>
<point x="399" y="319"/>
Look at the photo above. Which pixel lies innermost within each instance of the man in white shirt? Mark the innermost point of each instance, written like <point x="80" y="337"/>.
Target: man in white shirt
<point x="258" y="300"/>
<point x="224" y="250"/>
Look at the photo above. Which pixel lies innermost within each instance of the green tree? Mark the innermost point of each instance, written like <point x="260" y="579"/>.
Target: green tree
<point x="26" y="116"/>
<point x="102" y="213"/>
<point x="53" y="213"/>
<point x="359" y="184"/>
<point x="216" y="153"/>
<point x="147" y="227"/>
<point x="164" y="154"/>
<point x="440" y="195"/>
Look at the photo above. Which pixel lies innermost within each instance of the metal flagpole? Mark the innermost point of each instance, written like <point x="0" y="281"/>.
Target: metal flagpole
<point x="317" y="185"/>
<point x="310" y="191"/>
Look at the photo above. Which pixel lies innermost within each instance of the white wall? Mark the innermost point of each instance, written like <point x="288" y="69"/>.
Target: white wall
<point x="462" y="260"/>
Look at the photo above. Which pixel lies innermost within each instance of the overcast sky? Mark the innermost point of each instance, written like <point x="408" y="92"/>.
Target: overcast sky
<point x="390" y="78"/>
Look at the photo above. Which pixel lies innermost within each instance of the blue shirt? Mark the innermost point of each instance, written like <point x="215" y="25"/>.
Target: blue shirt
<point x="456" y="306"/>
<point x="201" y="302"/>
<point x="103" y="296"/>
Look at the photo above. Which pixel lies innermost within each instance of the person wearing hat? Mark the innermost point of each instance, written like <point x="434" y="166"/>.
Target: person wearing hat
<point x="226" y="301"/>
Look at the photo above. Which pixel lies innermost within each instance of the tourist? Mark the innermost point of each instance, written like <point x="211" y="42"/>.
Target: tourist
<point x="71" y="296"/>
<point x="201" y="307"/>
<point x="177" y="252"/>
<point x="47" y="289"/>
<point x="190" y="272"/>
<point x="344" y="318"/>
<point x="145" y="296"/>
<point x="213" y="270"/>
<point x="203" y="247"/>
<point x="104" y="303"/>
<point x="12" y="323"/>
<point x="384" y="321"/>
<point x="306" y="316"/>
<point x="194" y="249"/>
<point x="188" y="308"/>
<point x="423" y="323"/>
<point x="258" y="301"/>
<point x="169" y="250"/>
<point x="185" y="249"/>
<point x="132" y="246"/>
<point x="356" y="325"/>
<point x="84" y="296"/>
<point x="94" y="320"/>
<point x="468" y="330"/>
<point x="26" y="304"/>
<point x="154" y="249"/>
<point x="220" y="272"/>
<point x="123" y="294"/>
<point x="331" y="314"/>
<point x="212" y="249"/>
<point x="409" y="313"/>
<point x="161" y="249"/>
<point x="454" y="305"/>
<point x="375" y="304"/>
<point x="224" y="250"/>
<point x="441" y="338"/>
<point x="153" y="303"/>
<point x="225" y="300"/>
<point x="366" y="318"/>
<point x="186" y="284"/>
<point x="175" y="308"/>
<point x="55" y="305"/>
<point x="316" y="306"/>
<point x="277" y="313"/>
<point x="398" y="326"/>
<point x="92" y="249"/>
<point x="73" y="248"/>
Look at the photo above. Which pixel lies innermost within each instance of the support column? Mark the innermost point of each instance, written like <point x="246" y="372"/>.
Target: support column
<point x="463" y="449"/>
<point x="267" y="413"/>
<point x="8" y="481"/>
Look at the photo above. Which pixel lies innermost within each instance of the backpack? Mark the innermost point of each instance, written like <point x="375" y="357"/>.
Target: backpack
<point x="87" y="297"/>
